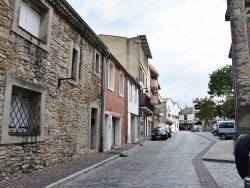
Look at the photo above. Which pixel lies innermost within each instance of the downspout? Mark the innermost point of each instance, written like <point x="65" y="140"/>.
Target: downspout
<point x="103" y="97"/>
<point x="139" y="89"/>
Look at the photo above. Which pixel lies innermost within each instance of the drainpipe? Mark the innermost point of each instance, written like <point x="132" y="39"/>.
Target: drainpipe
<point x="103" y="97"/>
<point x="139" y="91"/>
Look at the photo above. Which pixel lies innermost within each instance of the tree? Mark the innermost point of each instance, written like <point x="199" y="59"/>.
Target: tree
<point x="221" y="82"/>
<point x="207" y="110"/>
<point x="221" y="85"/>
<point x="219" y="110"/>
<point x="228" y="108"/>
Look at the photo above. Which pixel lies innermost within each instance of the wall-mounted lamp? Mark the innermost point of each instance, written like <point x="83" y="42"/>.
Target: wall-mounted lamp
<point x="60" y="79"/>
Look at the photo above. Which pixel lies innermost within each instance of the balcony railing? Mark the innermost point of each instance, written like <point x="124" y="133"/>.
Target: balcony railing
<point x="145" y="102"/>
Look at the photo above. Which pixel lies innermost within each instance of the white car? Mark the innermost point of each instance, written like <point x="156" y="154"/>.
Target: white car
<point x="197" y="127"/>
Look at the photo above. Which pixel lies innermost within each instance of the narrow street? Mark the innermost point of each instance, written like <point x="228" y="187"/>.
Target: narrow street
<point x="172" y="163"/>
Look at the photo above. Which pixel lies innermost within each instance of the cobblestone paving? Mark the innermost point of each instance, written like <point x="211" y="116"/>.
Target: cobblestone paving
<point x="157" y="164"/>
<point x="172" y="163"/>
<point x="225" y="174"/>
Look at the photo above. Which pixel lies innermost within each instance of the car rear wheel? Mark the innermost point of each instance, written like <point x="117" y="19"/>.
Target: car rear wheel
<point x="215" y="133"/>
<point x="223" y="137"/>
<point x="242" y="158"/>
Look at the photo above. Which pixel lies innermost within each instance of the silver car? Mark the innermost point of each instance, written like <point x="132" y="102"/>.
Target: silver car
<point x="226" y="129"/>
<point x="215" y="129"/>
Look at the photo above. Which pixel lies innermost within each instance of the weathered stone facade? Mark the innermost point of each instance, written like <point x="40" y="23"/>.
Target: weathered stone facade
<point x="67" y="114"/>
<point x="238" y="13"/>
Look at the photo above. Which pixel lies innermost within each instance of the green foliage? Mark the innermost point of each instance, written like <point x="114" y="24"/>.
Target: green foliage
<point x="228" y="108"/>
<point x="218" y="110"/>
<point x="221" y="82"/>
<point x="207" y="109"/>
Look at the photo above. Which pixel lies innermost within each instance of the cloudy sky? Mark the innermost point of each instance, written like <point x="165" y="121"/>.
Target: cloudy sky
<point x="188" y="39"/>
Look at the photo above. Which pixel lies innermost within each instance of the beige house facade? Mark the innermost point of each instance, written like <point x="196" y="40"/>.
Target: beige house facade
<point x="155" y="97"/>
<point x="134" y="53"/>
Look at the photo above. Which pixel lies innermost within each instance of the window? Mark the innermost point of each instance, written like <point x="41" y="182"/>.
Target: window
<point x="197" y="107"/>
<point x="226" y="125"/>
<point x="23" y="117"/>
<point x="130" y="92"/>
<point x="185" y="117"/>
<point x="30" y="17"/>
<point x="140" y="74"/>
<point x="111" y="75"/>
<point x="24" y="111"/>
<point x="74" y="63"/>
<point x="121" y="84"/>
<point x="97" y="62"/>
<point x="33" y="21"/>
<point x="135" y="97"/>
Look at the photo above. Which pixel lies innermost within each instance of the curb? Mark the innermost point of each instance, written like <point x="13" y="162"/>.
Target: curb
<point x="80" y="173"/>
<point x="214" y="159"/>
<point x="89" y="169"/>
<point x="218" y="160"/>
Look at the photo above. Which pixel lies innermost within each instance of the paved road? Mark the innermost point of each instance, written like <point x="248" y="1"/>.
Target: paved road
<point x="172" y="163"/>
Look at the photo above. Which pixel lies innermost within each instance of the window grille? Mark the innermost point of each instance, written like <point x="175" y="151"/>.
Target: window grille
<point x="24" y="112"/>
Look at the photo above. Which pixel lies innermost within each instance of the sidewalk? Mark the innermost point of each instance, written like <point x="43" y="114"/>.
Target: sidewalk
<point x="51" y="177"/>
<point x="222" y="151"/>
<point x="54" y="176"/>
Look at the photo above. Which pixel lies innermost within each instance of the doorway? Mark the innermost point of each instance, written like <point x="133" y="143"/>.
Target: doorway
<point x="115" y="132"/>
<point x="93" y="129"/>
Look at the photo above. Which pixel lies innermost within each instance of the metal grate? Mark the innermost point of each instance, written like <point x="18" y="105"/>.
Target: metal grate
<point x="24" y="111"/>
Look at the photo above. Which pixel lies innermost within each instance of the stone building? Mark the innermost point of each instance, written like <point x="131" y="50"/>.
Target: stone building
<point x="50" y="85"/>
<point x="238" y="13"/>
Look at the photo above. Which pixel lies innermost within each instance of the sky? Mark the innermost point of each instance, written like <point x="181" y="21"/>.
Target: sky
<point x="188" y="39"/>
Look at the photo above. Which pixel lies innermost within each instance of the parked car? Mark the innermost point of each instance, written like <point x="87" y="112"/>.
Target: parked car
<point x="215" y="129"/>
<point x="159" y="133"/>
<point x="197" y="127"/>
<point x="226" y="129"/>
<point x="169" y="131"/>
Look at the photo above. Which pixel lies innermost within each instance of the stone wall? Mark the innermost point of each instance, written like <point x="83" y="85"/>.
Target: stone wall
<point x="67" y="110"/>
<point x="240" y="47"/>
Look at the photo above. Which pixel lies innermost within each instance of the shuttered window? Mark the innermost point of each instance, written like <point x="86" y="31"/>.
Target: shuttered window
<point x="30" y="18"/>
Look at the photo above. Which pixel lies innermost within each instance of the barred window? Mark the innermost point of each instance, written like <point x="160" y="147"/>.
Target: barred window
<point x="24" y="112"/>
